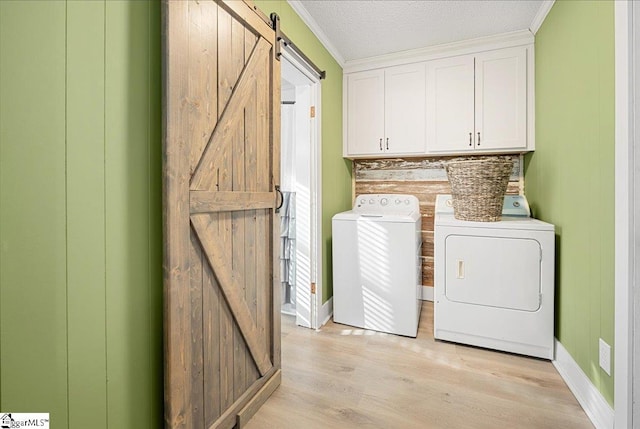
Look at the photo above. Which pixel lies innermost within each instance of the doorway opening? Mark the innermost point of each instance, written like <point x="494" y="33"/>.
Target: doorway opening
<point x="300" y="232"/>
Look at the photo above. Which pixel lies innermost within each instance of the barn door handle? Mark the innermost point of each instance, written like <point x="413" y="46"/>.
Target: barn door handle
<point x="279" y="206"/>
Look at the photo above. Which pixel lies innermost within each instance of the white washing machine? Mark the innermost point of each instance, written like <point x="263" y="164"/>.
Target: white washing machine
<point x="494" y="281"/>
<point x="377" y="264"/>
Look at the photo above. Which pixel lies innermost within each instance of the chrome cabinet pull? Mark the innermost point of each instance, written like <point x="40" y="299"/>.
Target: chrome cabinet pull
<point x="470" y="139"/>
<point x="478" y="138"/>
<point x="387" y="143"/>
<point x="380" y="144"/>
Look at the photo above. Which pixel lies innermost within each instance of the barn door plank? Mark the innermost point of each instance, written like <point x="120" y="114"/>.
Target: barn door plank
<point x="176" y="232"/>
<point x="272" y="229"/>
<point x="232" y="291"/>
<point x="211" y="346"/>
<point x="211" y="201"/>
<point x="250" y="273"/>
<point x="221" y="333"/>
<point x="205" y="175"/>
<point x="262" y="181"/>
<point x="230" y="418"/>
<point x="197" y="360"/>
<point x="250" y="18"/>
<point x="225" y="85"/>
<point x="237" y="217"/>
<point x="203" y="58"/>
<point x="176" y="236"/>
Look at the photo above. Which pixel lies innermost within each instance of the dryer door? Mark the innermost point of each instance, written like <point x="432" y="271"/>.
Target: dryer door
<point x="493" y="271"/>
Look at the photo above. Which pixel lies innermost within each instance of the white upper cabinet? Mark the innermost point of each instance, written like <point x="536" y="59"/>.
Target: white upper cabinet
<point x="478" y="102"/>
<point x="365" y="113"/>
<point x="385" y="112"/>
<point x="501" y="100"/>
<point x="450" y="104"/>
<point x="404" y="113"/>
<point x="469" y="97"/>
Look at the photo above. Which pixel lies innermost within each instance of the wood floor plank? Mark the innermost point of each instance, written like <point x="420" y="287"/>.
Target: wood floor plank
<point x="366" y="379"/>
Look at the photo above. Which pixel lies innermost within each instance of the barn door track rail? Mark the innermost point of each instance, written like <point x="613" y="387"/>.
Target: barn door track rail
<point x="281" y="37"/>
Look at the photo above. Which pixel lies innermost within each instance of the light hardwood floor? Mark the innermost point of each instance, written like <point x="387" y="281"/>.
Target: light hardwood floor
<point x="343" y="377"/>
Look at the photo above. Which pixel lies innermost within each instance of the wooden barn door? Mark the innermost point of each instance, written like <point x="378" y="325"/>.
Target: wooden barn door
<point x="222" y="119"/>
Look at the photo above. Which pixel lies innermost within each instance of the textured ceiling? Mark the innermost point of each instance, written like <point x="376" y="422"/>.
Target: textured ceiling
<point x="365" y="28"/>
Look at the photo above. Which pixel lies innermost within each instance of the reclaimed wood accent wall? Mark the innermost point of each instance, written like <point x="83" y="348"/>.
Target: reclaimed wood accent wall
<point x="425" y="178"/>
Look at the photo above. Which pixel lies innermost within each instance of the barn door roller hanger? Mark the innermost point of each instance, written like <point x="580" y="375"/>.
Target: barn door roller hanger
<point x="281" y="37"/>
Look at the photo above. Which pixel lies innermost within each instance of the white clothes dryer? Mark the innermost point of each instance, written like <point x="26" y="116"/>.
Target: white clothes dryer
<point x="377" y="270"/>
<point x="494" y="281"/>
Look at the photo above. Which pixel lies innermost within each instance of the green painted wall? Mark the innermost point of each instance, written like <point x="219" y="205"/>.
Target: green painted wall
<point x="570" y="177"/>
<point x="80" y="206"/>
<point x="80" y="212"/>
<point x="336" y="171"/>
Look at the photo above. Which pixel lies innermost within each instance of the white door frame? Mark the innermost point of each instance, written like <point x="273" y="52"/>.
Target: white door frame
<point x="316" y="187"/>
<point x="635" y="137"/>
<point x="627" y="201"/>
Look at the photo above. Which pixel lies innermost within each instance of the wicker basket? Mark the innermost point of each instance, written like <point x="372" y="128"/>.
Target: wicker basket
<point x="478" y="188"/>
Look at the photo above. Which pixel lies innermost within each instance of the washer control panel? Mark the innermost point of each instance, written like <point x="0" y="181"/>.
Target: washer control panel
<point x="386" y="203"/>
<point x="514" y="205"/>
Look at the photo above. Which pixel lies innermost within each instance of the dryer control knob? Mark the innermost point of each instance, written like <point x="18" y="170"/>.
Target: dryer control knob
<point x="406" y="202"/>
<point x="362" y="201"/>
<point x="371" y="201"/>
<point x="397" y="201"/>
<point x="516" y="204"/>
<point x="384" y="202"/>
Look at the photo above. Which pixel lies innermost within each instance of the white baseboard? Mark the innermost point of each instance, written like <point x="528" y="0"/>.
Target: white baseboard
<point x="427" y="293"/>
<point x="597" y="408"/>
<point x="326" y="311"/>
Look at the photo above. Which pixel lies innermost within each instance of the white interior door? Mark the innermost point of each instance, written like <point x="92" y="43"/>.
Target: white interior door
<point x="303" y="191"/>
<point x="301" y="166"/>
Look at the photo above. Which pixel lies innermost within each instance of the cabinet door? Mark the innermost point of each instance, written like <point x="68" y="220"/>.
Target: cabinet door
<point x="405" y="118"/>
<point x="365" y="113"/>
<point x="450" y="105"/>
<point x="501" y="99"/>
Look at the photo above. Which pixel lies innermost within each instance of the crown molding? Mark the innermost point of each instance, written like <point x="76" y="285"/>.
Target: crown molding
<point x="545" y="7"/>
<point x="306" y="17"/>
<point x="498" y="41"/>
